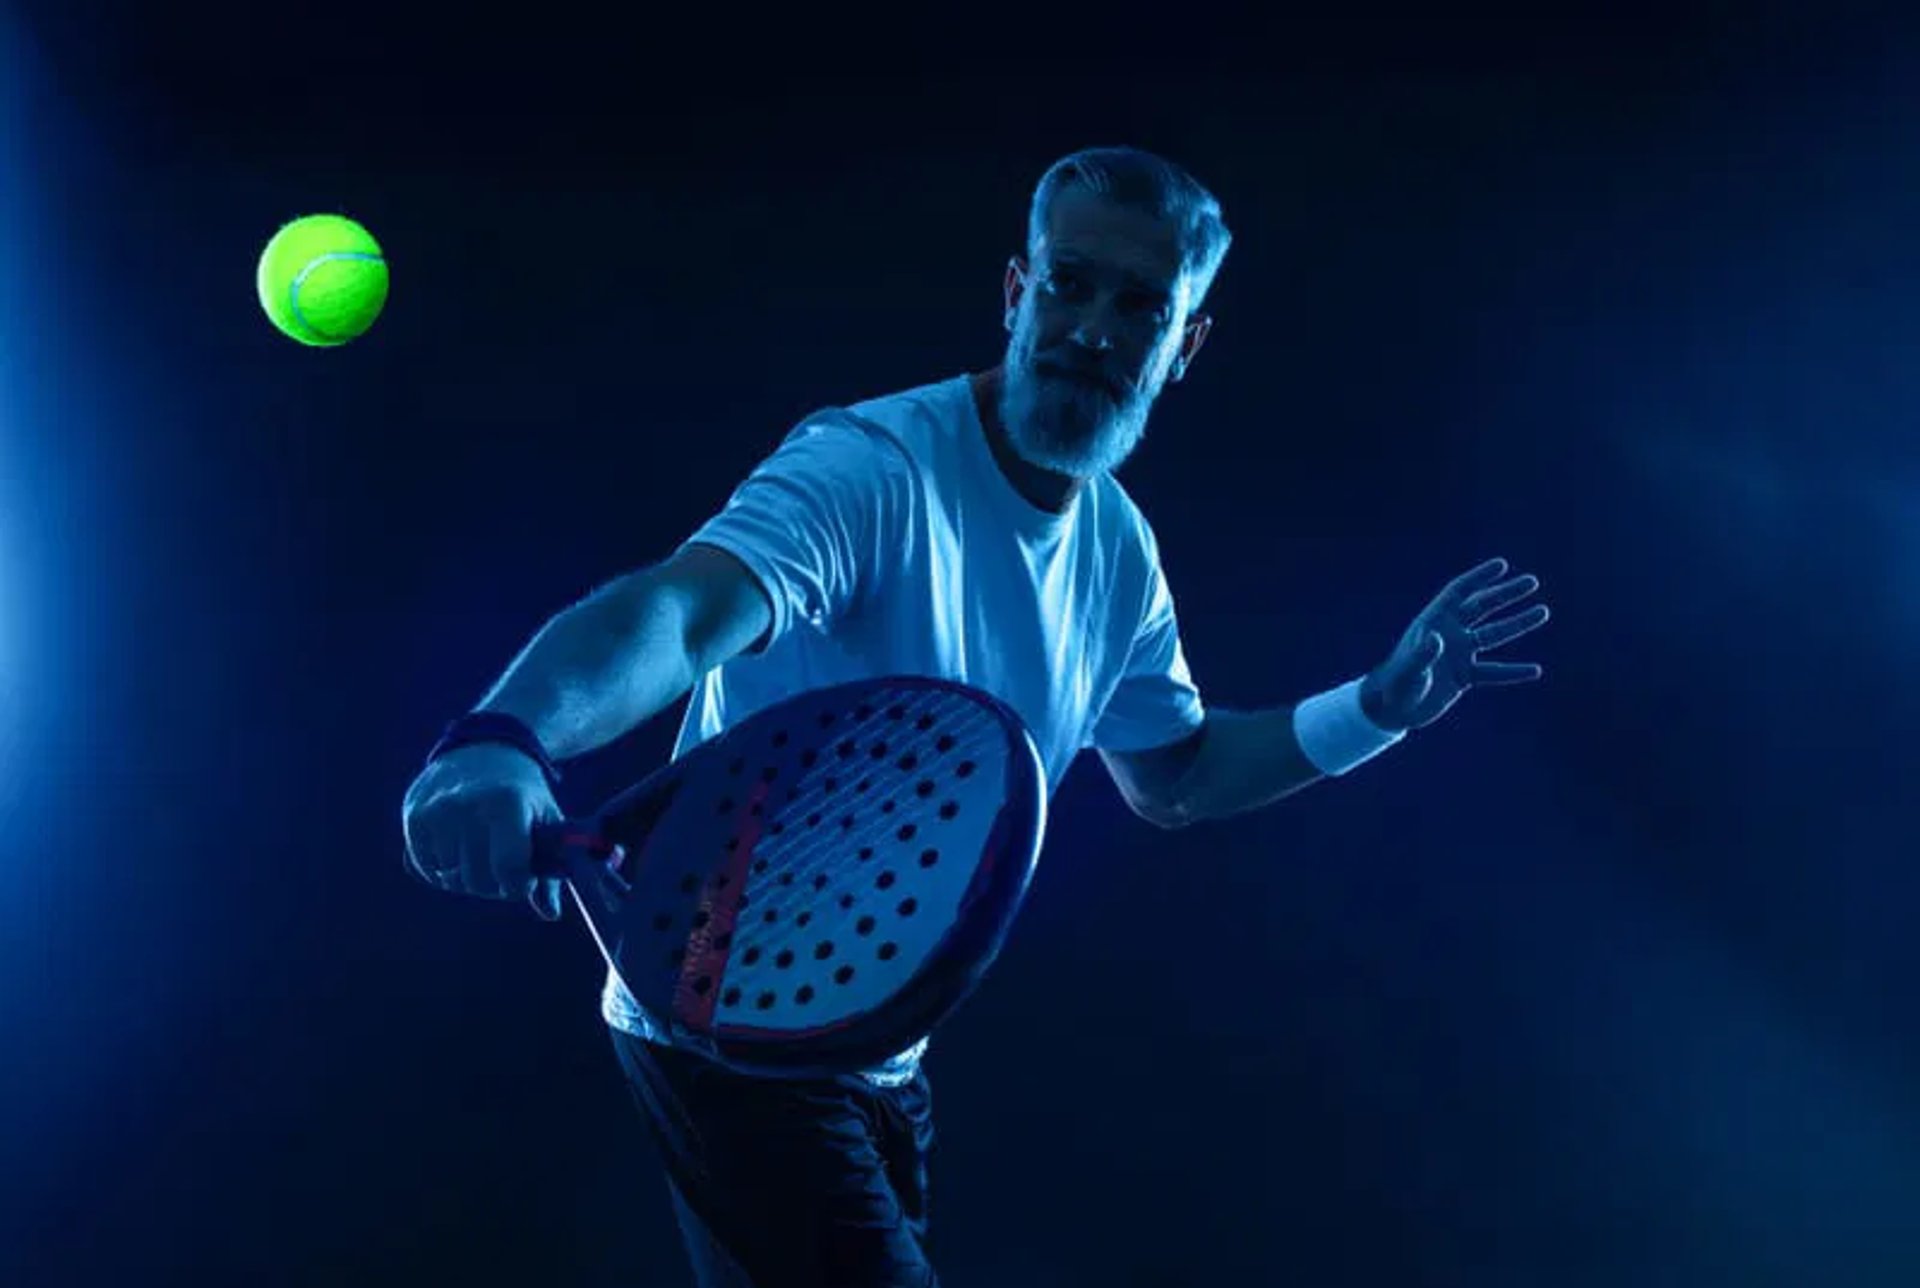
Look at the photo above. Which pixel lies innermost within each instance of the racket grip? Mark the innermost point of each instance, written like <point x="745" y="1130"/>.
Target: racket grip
<point x="561" y="848"/>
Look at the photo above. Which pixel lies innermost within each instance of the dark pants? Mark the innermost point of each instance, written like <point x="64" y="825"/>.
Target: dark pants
<point x="787" y="1183"/>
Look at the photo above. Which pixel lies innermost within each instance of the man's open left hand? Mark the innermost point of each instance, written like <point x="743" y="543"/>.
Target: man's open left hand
<point x="1438" y="658"/>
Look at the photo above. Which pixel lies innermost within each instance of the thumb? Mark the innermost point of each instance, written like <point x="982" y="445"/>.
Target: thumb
<point x="545" y="898"/>
<point x="1428" y="651"/>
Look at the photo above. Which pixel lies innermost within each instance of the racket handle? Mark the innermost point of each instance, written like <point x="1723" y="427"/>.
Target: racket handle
<point x="559" y="849"/>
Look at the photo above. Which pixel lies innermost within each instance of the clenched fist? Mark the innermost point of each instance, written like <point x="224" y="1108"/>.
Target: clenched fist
<point x="469" y="819"/>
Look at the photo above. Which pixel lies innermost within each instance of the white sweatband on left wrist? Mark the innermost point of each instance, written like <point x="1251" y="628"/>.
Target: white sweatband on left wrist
<point x="1336" y="734"/>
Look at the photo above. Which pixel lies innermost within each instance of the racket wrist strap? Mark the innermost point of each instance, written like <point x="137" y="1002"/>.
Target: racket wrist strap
<point x="1335" y="733"/>
<point x="498" y="728"/>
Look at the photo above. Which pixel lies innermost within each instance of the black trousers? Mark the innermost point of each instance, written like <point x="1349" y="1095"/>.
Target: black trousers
<point x="783" y="1183"/>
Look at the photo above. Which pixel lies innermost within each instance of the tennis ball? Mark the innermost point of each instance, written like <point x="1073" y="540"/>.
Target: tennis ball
<point x="322" y="280"/>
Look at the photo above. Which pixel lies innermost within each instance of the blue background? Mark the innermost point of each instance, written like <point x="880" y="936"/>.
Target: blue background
<point x="1603" y="982"/>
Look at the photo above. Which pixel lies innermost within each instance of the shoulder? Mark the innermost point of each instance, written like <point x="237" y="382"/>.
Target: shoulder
<point x="1125" y="532"/>
<point x="919" y="419"/>
<point x="891" y="430"/>
<point x="834" y="448"/>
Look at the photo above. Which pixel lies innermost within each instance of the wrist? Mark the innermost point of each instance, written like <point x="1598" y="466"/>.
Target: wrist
<point x="1337" y="733"/>
<point x="1373" y="704"/>
<point x="497" y="728"/>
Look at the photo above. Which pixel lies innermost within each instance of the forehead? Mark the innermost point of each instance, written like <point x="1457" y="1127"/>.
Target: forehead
<point x="1086" y="229"/>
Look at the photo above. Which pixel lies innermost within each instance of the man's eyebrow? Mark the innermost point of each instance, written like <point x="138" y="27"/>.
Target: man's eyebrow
<point x="1071" y="259"/>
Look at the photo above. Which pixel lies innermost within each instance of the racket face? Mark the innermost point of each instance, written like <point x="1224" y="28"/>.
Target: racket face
<point x="822" y="883"/>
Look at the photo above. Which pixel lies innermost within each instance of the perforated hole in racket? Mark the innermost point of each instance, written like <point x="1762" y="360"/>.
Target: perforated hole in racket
<point x="845" y="913"/>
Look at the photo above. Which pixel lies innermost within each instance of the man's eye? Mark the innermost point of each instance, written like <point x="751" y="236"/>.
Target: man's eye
<point x="1062" y="283"/>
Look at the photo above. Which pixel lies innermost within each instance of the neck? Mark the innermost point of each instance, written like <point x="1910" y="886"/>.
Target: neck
<point x="1042" y="488"/>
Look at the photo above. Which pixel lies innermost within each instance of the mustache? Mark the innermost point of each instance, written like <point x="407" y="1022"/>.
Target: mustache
<point x="1079" y="373"/>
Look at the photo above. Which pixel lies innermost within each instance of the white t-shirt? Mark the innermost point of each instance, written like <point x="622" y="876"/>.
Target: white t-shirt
<point x="890" y="542"/>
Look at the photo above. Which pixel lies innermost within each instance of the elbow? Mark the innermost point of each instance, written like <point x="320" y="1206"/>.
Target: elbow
<point x="1165" y="815"/>
<point x="715" y="607"/>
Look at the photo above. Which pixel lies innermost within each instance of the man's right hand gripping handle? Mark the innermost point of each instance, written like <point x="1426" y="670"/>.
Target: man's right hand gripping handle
<point x="469" y="819"/>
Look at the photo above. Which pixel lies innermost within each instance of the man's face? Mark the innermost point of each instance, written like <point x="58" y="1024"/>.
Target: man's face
<point x="1099" y="322"/>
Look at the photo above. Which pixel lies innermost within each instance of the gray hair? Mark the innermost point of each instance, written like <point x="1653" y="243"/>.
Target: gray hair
<point x="1146" y="182"/>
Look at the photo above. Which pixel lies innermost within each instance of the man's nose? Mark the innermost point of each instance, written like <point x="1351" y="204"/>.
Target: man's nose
<point x="1094" y="331"/>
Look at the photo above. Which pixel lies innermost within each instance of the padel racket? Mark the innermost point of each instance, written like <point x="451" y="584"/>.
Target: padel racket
<point x="816" y="888"/>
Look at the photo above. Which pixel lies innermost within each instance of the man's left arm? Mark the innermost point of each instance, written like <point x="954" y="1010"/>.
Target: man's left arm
<point x="1242" y="760"/>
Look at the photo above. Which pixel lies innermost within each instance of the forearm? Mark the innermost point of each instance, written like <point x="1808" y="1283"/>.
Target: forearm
<point x="601" y="667"/>
<point x="1245" y="760"/>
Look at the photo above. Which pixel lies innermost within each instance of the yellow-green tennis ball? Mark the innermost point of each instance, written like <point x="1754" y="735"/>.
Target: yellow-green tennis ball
<point x="323" y="280"/>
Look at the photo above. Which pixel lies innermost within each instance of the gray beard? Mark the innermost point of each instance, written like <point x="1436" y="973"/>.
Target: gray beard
<point x="1070" y="428"/>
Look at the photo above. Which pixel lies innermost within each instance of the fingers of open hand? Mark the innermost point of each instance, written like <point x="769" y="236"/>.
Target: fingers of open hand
<point x="1491" y="599"/>
<point x="1469" y="583"/>
<point x="1505" y="630"/>
<point x="1496" y="673"/>
<point x="1462" y="617"/>
<point x="1470" y="617"/>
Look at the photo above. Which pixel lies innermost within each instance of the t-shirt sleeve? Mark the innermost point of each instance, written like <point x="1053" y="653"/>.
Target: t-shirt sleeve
<point x="1156" y="703"/>
<point x="812" y="519"/>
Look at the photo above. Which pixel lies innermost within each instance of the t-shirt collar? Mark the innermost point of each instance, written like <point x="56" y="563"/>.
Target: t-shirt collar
<point x="1028" y="518"/>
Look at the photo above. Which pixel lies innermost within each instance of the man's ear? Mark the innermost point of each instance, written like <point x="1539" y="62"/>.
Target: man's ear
<point x="1199" y="326"/>
<point x="1014" y="289"/>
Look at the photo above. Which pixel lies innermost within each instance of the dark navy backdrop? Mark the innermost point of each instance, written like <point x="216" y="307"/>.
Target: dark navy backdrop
<point x="1605" y="982"/>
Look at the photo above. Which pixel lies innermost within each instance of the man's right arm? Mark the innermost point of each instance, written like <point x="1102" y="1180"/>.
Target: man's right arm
<point x="795" y="541"/>
<point x="614" y="660"/>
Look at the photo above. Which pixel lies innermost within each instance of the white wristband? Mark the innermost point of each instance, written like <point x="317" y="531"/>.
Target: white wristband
<point x="1335" y="733"/>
